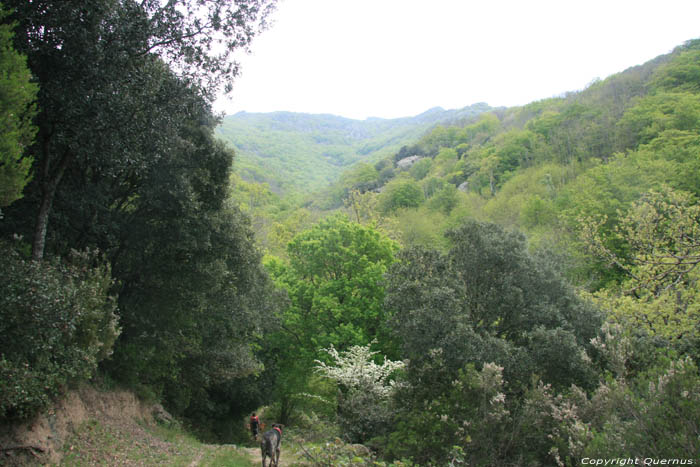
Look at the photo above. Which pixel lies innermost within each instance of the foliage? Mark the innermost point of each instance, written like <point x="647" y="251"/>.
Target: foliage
<point x="362" y="177"/>
<point x="334" y="283"/>
<point x="400" y="193"/>
<point x="421" y="168"/>
<point x="660" y="112"/>
<point x="362" y="208"/>
<point x="128" y="164"/>
<point x="654" y="418"/>
<point x="104" y="71"/>
<point x="17" y="109"/>
<point x="662" y="238"/>
<point x="488" y="299"/>
<point x="418" y="227"/>
<point x="493" y="317"/>
<point x="190" y="343"/>
<point x="463" y="422"/>
<point x="683" y="72"/>
<point x="364" y="411"/>
<point x="58" y="321"/>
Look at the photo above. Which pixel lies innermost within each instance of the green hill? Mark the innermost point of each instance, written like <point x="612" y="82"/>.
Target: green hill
<point x="542" y="166"/>
<point x="304" y="152"/>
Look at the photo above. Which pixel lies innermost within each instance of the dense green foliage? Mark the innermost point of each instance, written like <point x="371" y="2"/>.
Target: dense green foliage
<point x="488" y="300"/>
<point x="126" y="162"/>
<point x="486" y="304"/>
<point x="57" y="321"/>
<point x="334" y="282"/>
<point x="17" y="95"/>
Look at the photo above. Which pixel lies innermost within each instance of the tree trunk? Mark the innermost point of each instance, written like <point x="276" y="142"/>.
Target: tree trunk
<point x="48" y="182"/>
<point x="42" y="222"/>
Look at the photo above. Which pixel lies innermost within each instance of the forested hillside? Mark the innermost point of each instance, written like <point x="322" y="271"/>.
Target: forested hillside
<point x="301" y="152"/>
<point x="516" y="289"/>
<point x="504" y="287"/>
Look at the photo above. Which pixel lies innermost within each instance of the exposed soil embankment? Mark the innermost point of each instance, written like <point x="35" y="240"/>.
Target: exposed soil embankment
<point x="41" y="440"/>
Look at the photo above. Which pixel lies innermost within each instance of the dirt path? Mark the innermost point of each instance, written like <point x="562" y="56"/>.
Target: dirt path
<point x="287" y="457"/>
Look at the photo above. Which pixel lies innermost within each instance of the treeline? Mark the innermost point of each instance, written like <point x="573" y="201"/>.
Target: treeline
<point x="122" y="252"/>
<point x="520" y="289"/>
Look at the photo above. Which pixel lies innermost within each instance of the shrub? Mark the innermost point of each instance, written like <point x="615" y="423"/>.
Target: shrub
<point x="57" y="321"/>
<point x="401" y="193"/>
<point x="467" y="421"/>
<point x="652" y="416"/>
<point x="364" y="390"/>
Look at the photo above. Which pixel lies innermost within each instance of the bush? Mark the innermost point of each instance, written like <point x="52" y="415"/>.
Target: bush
<point x="364" y="387"/>
<point x="652" y="416"/>
<point x="57" y="321"/>
<point x="467" y="421"/>
<point x="400" y="193"/>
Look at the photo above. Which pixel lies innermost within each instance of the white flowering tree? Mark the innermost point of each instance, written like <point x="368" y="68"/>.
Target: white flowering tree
<point x="356" y="369"/>
<point x="364" y="405"/>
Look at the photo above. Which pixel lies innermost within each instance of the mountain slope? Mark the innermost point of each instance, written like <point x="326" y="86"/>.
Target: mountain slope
<point x="303" y="152"/>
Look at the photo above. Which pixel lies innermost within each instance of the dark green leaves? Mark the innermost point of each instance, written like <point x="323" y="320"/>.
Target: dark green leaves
<point x="488" y="300"/>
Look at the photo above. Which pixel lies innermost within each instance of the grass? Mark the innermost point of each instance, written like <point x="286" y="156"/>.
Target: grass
<point x="100" y="442"/>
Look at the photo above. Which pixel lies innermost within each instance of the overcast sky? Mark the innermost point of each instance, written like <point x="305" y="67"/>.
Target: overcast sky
<point x="397" y="58"/>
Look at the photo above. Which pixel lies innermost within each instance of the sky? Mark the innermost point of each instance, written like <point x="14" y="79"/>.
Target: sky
<point x="398" y="58"/>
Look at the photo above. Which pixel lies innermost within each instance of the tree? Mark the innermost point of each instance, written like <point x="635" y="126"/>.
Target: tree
<point x="478" y="325"/>
<point x="421" y="168"/>
<point x="95" y="64"/>
<point x="57" y="321"/>
<point x="365" y="390"/>
<point x="17" y="109"/>
<point x="334" y="280"/>
<point x="658" y="292"/>
<point x="129" y="164"/>
<point x="657" y="113"/>
<point x="194" y="298"/>
<point x="401" y="193"/>
<point x="488" y="299"/>
<point x="336" y="295"/>
<point x="683" y="72"/>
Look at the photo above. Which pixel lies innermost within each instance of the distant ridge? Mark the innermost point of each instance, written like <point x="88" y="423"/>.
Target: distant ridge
<point x="301" y="152"/>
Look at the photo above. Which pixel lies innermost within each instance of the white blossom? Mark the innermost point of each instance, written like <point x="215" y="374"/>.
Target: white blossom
<point x="355" y="368"/>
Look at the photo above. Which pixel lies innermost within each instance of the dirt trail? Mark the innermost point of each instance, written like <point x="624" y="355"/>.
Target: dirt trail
<point x="287" y="456"/>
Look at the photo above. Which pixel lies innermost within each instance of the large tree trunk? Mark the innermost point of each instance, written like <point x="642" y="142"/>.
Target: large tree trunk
<point x="49" y="183"/>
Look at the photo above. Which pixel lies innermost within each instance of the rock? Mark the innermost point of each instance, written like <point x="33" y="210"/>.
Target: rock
<point x="407" y="162"/>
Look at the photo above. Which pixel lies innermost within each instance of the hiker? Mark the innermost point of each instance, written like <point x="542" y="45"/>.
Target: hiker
<point x="254" y="425"/>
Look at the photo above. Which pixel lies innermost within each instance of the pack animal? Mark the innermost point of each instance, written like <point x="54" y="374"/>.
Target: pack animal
<point x="270" y="445"/>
